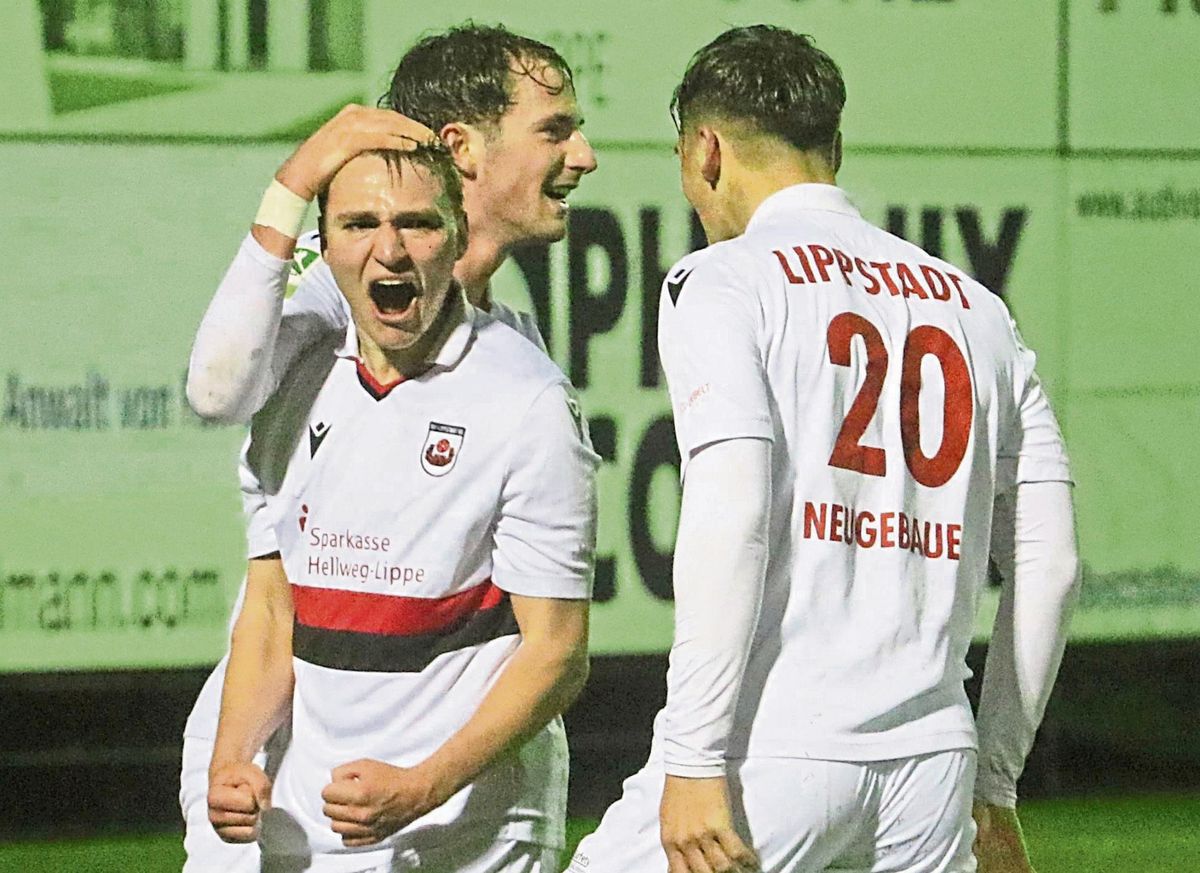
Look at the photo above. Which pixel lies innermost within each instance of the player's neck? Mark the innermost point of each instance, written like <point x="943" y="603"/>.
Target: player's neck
<point x="751" y="188"/>
<point x="475" y="268"/>
<point x="388" y="365"/>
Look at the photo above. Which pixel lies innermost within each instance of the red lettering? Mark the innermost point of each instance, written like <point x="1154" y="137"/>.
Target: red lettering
<point x="909" y="283"/>
<point x="803" y="256"/>
<point x="902" y="540"/>
<point x="868" y="541"/>
<point x="884" y="270"/>
<point x="938" y="286"/>
<point x="835" y="522"/>
<point x="845" y="264"/>
<point x="931" y="552"/>
<point x="823" y="258"/>
<point x="814" y="521"/>
<point x="917" y="546"/>
<point x="848" y="533"/>
<point x="957" y="280"/>
<point x="874" y="286"/>
<point x="787" y="270"/>
<point x="953" y="541"/>
<point x="886" y="530"/>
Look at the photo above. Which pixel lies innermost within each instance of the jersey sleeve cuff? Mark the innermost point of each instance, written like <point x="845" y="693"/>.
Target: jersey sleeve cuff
<point x="553" y="587"/>
<point x="260" y="541"/>
<point x="253" y="250"/>
<point x="694" y="771"/>
<point x="995" y="789"/>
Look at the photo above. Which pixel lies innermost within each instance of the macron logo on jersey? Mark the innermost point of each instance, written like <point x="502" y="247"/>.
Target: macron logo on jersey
<point x="316" y="435"/>
<point x="675" y="286"/>
<point x="443" y="443"/>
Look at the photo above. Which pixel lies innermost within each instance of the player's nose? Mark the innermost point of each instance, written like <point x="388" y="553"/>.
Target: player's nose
<point x="581" y="157"/>
<point x="389" y="248"/>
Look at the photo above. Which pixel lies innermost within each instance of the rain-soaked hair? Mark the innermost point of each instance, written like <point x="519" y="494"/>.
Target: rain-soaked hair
<point x="772" y="79"/>
<point x="468" y="73"/>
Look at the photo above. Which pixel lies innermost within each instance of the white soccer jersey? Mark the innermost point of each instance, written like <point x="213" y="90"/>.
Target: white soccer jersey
<point x="314" y="313"/>
<point x="899" y="400"/>
<point x="408" y="514"/>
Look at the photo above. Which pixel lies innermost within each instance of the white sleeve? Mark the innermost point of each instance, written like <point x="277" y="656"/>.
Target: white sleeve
<point x="1031" y="448"/>
<point x="719" y="571"/>
<point x="1034" y="547"/>
<point x="252" y="331"/>
<point x="545" y="537"/>
<point x="260" y="532"/>
<point x="708" y="340"/>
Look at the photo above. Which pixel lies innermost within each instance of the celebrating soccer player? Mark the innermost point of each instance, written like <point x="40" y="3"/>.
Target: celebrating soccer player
<point x="855" y="418"/>
<point x="505" y="107"/>
<point x="436" y="521"/>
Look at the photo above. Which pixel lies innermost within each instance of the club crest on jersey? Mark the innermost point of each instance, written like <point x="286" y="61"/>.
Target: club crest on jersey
<point x="443" y="444"/>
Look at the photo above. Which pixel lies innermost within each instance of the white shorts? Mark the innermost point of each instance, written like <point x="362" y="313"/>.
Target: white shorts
<point x="206" y="852"/>
<point x="485" y="856"/>
<point x="910" y="815"/>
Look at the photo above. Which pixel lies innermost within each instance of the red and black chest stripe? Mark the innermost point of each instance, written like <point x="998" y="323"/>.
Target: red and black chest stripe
<point x="352" y="630"/>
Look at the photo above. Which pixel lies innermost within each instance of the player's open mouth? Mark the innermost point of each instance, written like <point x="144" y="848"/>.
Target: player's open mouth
<point x="393" y="298"/>
<point x="559" y="194"/>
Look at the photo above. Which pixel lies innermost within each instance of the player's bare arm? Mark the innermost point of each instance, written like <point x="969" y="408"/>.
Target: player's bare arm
<point x="256" y="697"/>
<point x="369" y="800"/>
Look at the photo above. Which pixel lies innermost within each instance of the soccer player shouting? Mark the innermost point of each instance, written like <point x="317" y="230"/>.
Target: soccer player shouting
<point x="437" y="528"/>
<point x="855" y="418"/>
<point x="505" y="107"/>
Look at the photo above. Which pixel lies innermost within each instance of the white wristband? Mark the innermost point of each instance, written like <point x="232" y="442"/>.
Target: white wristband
<point x="282" y="209"/>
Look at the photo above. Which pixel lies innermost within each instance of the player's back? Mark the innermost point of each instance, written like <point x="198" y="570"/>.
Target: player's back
<point x="892" y="381"/>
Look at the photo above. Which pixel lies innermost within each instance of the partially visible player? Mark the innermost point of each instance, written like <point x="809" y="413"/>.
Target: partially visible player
<point x="505" y="106"/>
<point x="437" y="522"/>
<point x="854" y="417"/>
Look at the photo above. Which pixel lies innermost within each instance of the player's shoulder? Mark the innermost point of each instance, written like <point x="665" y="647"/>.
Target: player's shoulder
<point x="509" y="356"/>
<point x="723" y="265"/>
<point x="524" y="323"/>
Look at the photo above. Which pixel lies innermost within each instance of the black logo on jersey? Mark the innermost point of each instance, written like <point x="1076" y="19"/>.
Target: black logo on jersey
<point x="316" y="435"/>
<point x="675" y="286"/>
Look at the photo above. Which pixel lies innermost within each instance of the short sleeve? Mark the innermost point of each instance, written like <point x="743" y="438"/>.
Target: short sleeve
<point x="709" y="342"/>
<point x="260" y="532"/>
<point x="1032" y="449"/>
<point x="545" y="535"/>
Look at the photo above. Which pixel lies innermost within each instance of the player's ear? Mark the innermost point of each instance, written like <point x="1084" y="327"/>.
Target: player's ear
<point x="465" y="144"/>
<point x="709" y="144"/>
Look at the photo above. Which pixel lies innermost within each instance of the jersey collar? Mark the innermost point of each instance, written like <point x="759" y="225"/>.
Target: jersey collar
<point x="808" y="195"/>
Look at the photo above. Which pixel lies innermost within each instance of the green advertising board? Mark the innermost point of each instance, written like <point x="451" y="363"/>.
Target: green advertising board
<point x="121" y="540"/>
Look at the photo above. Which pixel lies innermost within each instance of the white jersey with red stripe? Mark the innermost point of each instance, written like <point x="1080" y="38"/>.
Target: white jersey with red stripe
<point x="407" y="515"/>
<point x="899" y="400"/>
<point x="315" y="316"/>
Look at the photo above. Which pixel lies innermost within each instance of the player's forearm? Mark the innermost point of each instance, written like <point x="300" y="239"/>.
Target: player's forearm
<point x="258" y="683"/>
<point x="229" y="376"/>
<point x="539" y="682"/>
<point x="720" y="565"/>
<point x="1041" y="583"/>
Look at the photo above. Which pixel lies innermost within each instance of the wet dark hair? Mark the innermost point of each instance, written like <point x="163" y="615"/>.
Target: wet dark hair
<point x="435" y="158"/>
<point x="776" y="80"/>
<point x="467" y="73"/>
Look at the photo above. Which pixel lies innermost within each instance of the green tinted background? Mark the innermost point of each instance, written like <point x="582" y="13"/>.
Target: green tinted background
<point x="1038" y="145"/>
